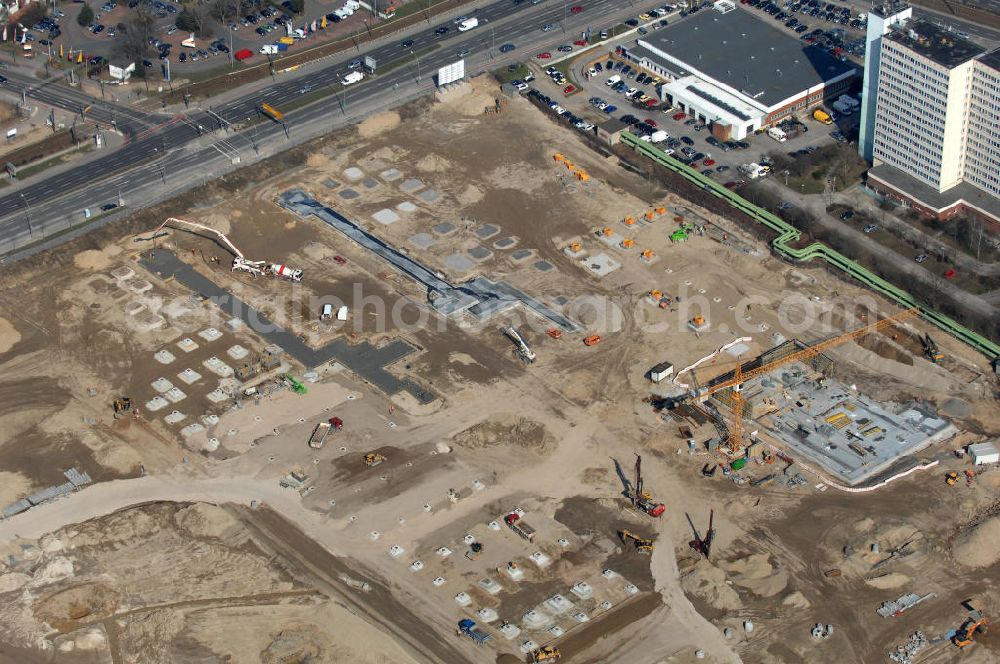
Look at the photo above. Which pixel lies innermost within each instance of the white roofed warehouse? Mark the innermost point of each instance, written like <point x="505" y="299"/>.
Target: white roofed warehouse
<point x="737" y="73"/>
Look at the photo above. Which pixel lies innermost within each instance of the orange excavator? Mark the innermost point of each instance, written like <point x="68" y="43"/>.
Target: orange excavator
<point x="976" y="623"/>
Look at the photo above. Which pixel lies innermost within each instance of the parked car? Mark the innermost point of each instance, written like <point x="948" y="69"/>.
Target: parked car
<point x="871" y="228"/>
<point x="921" y="258"/>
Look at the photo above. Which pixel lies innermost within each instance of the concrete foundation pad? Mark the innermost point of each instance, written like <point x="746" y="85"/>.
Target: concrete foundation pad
<point x="174" y="395"/>
<point x="348" y="194"/>
<point x="480" y="254"/>
<point x="458" y="263"/>
<point x="385" y="216"/>
<point x="330" y="184"/>
<point x="134" y="308"/>
<point x="486" y="231"/>
<point x="390" y="175"/>
<point x="444" y="229"/>
<point x="210" y="334"/>
<point x="122" y="273"/>
<point x="187" y="345"/>
<point x="218" y="367"/>
<point x="613" y="240"/>
<point x="505" y="242"/>
<point x="522" y="255"/>
<point x="217" y="396"/>
<point x="237" y="352"/>
<point x="174" y="417"/>
<point x="353" y="173"/>
<point x="369" y="183"/>
<point x="430" y="196"/>
<point x="149" y="322"/>
<point x="189" y="376"/>
<point x="422" y="240"/>
<point x="411" y="185"/>
<point x="543" y="266"/>
<point x="164" y="356"/>
<point x="156" y="403"/>
<point x="139" y="286"/>
<point x="575" y="254"/>
<point x="406" y="206"/>
<point x="192" y="429"/>
<point x="162" y="385"/>
<point x="601" y="264"/>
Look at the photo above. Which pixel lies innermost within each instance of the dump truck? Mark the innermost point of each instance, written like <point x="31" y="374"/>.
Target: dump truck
<point x="518" y="525"/>
<point x="319" y="434"/>
<point x="822" y="116"/>
<point x="467" y="627"/>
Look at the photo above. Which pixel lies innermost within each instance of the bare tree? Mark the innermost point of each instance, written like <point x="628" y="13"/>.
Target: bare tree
<point x="134" y="43"/>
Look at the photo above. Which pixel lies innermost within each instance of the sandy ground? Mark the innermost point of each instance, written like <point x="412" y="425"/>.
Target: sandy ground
<point x="543" y="437"/>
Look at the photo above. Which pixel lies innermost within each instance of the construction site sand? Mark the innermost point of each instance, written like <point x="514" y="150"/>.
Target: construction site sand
<point x="756" y="574"/>
<point x="979" y="547"/>
<point x="92" y="259"/>
<point x="708" y="583"/>
<point x="8" y="335"/>
<point x="433" y="163"/>
<point x="378" y="124"/>
<point x="888" y="581"/>
<point x="12" y="487"/>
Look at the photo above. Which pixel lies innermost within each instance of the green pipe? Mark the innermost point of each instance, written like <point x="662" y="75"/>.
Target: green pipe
<point x="788" y="235"/>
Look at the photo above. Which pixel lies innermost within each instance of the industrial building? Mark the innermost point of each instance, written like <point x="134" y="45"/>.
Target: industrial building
<point x="737" y="73"/>
<point x="929" y="117"/>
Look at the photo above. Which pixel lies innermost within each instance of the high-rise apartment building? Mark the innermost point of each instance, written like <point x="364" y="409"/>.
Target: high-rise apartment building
<point x="931" y="119"/>
<point x="880" y="19"/>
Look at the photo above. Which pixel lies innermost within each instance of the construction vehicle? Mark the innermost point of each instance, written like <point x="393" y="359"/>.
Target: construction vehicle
<point x="122" y="405"/>
<point x="642" y="544"/>
<point x="240" y="262"/>
<point x="296" y="385"/>
<point x="951" y="479"/>
<point x="523" y="350"/>
<point x="545" y="654"/>
<point x="592" y="340"/>
<point x="703" y="545"/>
<point x="640" y="497"/>
<point x="554" y="332"/>
<point x="739" y="377"/>
<point x="519" y="526"/>
<point x="931" y="349"/>
<point x="272" y="112"/>
<point x="467" y="627"/>
<point x="319" y="434"/>
<point x="475" y="550"/>
<point x="373" y="459"/>
<point x="976" y="623"/>
<point x="822" y="116"/>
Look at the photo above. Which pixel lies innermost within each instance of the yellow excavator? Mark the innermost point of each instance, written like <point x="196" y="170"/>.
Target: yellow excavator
<point x="545" y="654"/>
<point x="642" y="544"/>
<point x="122" y="405"/>
<point x="373" y="459"/>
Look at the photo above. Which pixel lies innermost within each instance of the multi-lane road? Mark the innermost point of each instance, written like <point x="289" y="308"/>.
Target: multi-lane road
<point x="163" y="151"/>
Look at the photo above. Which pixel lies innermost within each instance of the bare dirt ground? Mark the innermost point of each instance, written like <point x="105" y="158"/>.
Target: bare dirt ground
<point x="176" y="581"/>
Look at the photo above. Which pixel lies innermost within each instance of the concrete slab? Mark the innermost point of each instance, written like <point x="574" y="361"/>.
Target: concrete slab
<point x="543" y="266"/>
<point x="444" y="229"/>
<point x="189" y="376"/>
<point x="458" y="263"/>
<point x="429" y="196"/>
<point x="390" y="175"/>
<point x="174" y="395"/>
<point x="407" y="207"/>
<point x="164" y="356"/>
<point x="422" y="240"/>
<point x="237" y="352"/>
<point x="348" y="194"/>
<point x="156" y="403"/>
<point x="505" y="242"/>
<point x="411" y="185"/>
<point x="353" y="173"/>
<point x="123" y="273"/>
<point x="385" y="217"/>
<point x="210" y="334"/>
<point x="187" y="344"/>
<point x="486" y="231"/>
<point x="162" y="385"/>
<point x="331" y="184"/>
<point x="522" y="255"/>
<point x="480" y="254"/>
<point x="369" y="183"/>
<point x="174" y="417"/>
<point x="601" y="265"/>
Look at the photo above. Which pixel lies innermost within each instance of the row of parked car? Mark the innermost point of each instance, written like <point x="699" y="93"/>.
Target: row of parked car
<point x="566" y="115"/>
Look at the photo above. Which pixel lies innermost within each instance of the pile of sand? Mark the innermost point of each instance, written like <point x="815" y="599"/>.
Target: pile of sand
<point x="13" y="487"/>
<point x="433" y="163"/>
<point x="8" y="335"/>
<point x="887" y="581"/>
<point x="756" y="574"/>
<point x="378" y="124"/>
<point x="980" y="547"/>
<point x="204" y="520"/>
<point x="708" y="583"/>
<point x="796" y="600"/>
<point x="506" y="431"/>
<point x="92" y="259"/>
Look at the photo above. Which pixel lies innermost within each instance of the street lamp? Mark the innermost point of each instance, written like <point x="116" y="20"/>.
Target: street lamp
<point x="27" y="215"/>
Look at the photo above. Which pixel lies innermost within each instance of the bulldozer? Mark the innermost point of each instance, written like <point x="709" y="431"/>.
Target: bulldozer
<point x="545" y="654"/>
<point x="642" y="544"/>
<point x="373" y="459"/>
<point x="976" y="623"/>
<point x="122" y="405"/>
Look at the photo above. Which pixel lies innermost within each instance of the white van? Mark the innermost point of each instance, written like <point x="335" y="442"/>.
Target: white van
<point x="326" y="313"/>
<point x="612" y="80"/>
<point x="352" y="77"/>
<point x="468" y="24"/>
<point x="777" y="134"/>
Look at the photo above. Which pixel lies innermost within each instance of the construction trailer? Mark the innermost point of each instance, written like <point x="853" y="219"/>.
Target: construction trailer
<point x="661" y="372"/>
<point x="984" y="453"/>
